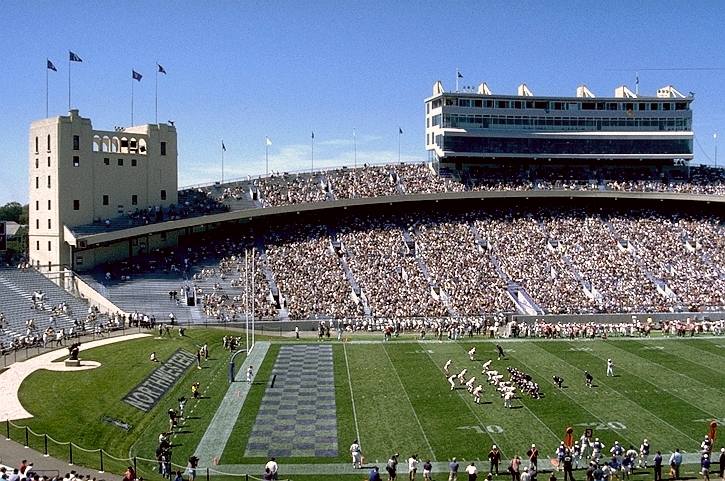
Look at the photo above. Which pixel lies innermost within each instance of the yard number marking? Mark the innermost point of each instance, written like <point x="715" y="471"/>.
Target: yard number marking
<point x="653" y="348"/>
<point x="580" y="349"/>
<point x="491" y="428"/>
<point x="613" y="425"/>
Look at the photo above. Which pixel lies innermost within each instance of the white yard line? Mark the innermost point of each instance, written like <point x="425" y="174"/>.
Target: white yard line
<point x="352" y="397"/>
<point x="400" y="381"/>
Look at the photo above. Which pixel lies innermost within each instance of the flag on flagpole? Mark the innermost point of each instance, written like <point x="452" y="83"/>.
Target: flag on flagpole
<point x="400" y="131"/>
<point x="460" y="75"/>
<point x="73" y="57"/>
<point x="268" y="140"/>
<point x="136" y="76"/>
<point x="313" y="134"/>
<point x="51" y="66"/>
<point x="161" y="69"/>
<point x="224" y="148"/>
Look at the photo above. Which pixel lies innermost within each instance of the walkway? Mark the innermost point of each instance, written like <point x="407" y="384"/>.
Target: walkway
<point x="11" y="379"/>
<point x="212" y="444"/>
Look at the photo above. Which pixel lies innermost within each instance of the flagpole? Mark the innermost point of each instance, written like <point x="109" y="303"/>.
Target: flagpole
<point x="156" y="96"/>
<point x="69" y="82"/>
<point x="354" y="146"/>
<point x="457" y="72"/>
<point x="313" y="152"/>
<point x="399" y="135"/>
<point x="222" y="161"/>
<point x="46" y="88"/>
<point x="266" y="154"/>
<point x="131" y="98"/>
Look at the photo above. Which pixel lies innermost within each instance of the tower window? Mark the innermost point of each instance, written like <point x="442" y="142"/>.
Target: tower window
<point x="163" y="148"/>
<point x="48" y="204"/>
<point x="105" y="199"/>
<point x="120" y="162"/>
<point x="36" y="145"/>
<point x="50" y="246"/>
<point x="37" y="205"/>
<point x="134" y="199"/>
<point x="37" y="245"/>
<point x="76" y="142"/>
<point x="37" y="224"/>
<point x="48" y="142"/>
<point x="163" y="195"/>
<point x="76" y="161"/>
<point x="48" y="161"/>
<point x="37" y="163"/>
<point x="49" y="224"/>
<point x="106" y="161"/>
<point x="37" y="182"/>
<point x="76" y="204"/>
<point x="49" y="182"/>
<point x="133" y="162"/>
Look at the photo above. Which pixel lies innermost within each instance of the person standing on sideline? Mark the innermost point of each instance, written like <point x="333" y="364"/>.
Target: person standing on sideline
<point x="568" y="466"/>
<point x="297" y="332"/>
<point x="453" y="470"/>
<point x="273" y="467"/>
<point x="705" y="467"/>
<point x="643" y="453"/>
<point x="374" y="475"/>
<point x="675" y="462"/>
<point x="412" y="467"/>
<point x="472" y="353"/>
<point x="533" y="455"/>
<point x="250" y="373"/>
<point x="427" y="468"/>
<point x="494" y="458"/>
<point x="610" y="368"/>
<point x="472" y="472"/>
<point x="392" y="467"/>
<point x="722" y="464"/>
<point x="356" y="453"/>
<point x="658" y="466"/>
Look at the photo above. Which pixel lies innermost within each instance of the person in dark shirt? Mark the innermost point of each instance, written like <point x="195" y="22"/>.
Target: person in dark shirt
<point x="494" y="458"/>
<point x="558" y="381"/>
<point x="658" y="466"/>
<point x="501" y="354"/>
<point x="374" y="474"/>
<point x="721" y="473"/>
<point x="589" y="378"/>
<point x="568" y="466"/>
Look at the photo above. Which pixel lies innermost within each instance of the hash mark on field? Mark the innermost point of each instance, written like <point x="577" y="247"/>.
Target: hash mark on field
<point x="653" y="348"/>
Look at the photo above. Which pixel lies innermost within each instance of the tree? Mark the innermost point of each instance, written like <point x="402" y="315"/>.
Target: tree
<point x="12" y="211"/>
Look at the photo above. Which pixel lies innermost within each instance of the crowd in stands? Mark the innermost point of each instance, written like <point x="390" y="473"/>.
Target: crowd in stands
<point x="554" y="261"/>
<point x="368" y="181"/>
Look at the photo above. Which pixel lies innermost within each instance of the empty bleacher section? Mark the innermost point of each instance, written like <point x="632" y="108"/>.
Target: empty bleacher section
<point x="26" y="295"/>
<point x="534" y="261"/>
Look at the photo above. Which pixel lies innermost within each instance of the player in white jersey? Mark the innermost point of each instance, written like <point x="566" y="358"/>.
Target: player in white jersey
<point x="507" y="397"/>
<point x="472" y="353"/>
<point x="477" y="394"/>
<point x="447" y="366"/>
<point x="462" y="376"/>
<point x="470" y="383"/>
<point x="452" y="381"/>
<point x="610" y="368"/>
<point x="485" y="366"/>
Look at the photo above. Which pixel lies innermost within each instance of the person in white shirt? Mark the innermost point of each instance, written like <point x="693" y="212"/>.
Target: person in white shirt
<point x="250" y="373"/>
<point x="447" y="366"/>
<point x="462" y="376"/>
<point x="356" y="452"/>
<point x="477" y="394"/>
<point x="412" y="467"/>
<point x="472" y="353"/>
<point x="472" y="472"/>
<point x="610" y="368"/>
<point x="470" y="383"/>
<point x="273" y="467"/>
<point x="452" y="381"/>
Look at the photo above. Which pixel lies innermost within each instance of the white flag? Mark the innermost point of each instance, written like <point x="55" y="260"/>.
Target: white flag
<point x="269" y="142"/>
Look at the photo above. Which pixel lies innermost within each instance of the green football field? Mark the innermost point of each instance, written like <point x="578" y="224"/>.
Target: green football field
<point x="396" y="398"/>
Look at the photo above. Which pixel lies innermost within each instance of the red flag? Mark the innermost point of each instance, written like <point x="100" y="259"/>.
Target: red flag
<point x="713" y="431"/>
<point x="569" y="437"/>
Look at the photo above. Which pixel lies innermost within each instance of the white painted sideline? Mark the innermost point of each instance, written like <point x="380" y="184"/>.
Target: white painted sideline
<point x="10" y="407"/>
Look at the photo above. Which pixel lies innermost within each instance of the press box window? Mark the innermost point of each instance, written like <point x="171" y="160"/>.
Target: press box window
<point x="76" y="142"/>
<point x="133" y="162"/>
<point x="76" y="161"/>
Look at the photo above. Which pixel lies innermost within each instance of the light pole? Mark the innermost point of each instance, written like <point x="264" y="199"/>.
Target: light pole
<point x="354" y="146"/>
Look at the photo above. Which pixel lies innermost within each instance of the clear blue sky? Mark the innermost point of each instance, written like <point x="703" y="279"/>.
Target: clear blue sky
<point x="241" y="70"/>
